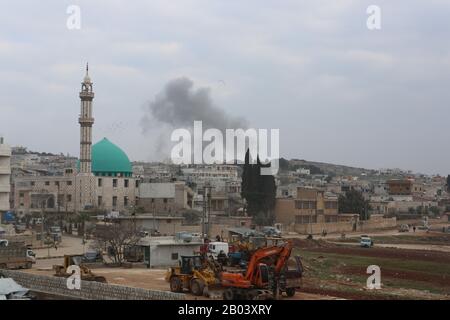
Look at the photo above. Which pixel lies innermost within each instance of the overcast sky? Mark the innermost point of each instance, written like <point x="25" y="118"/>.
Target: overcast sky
<point x="337" y="91"/>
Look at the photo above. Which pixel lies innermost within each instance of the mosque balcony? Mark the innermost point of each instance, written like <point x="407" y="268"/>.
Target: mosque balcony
<point x="85" y="120"/>
<point x="86" y="94"/>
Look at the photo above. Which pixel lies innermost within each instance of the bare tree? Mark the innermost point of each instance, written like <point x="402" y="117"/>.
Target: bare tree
<point x="117" y="237"/>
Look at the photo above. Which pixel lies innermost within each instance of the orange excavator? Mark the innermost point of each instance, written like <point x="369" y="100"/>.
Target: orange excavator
<point x="267" y="275"/>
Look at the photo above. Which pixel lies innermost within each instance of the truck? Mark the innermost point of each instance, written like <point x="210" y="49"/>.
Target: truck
<point x="366" y="241"/>
<point x="16" y="256"/>
<point x="215" y="248"/>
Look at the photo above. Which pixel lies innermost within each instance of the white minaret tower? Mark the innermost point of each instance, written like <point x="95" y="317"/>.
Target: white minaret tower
<point x="86" y="121"/>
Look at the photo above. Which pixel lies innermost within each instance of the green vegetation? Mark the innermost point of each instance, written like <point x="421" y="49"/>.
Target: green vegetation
<point x="344" y="276"/>
<point x="354" y="202"/>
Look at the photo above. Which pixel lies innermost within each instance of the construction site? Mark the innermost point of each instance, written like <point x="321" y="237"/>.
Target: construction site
<point x="247" y="265"/>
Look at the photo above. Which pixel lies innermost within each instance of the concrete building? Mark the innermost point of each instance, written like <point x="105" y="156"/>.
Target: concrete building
<point x="400" y="186"/>
<point x="310" y="206"/>
<point x="5" y="175"/>
<point x="164" y="225"/>
<point x="165" y="197"/>
<point x="167" y="251"/>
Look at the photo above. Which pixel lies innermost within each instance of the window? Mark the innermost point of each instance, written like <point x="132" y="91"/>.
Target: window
<point x="69" y="197"/>
<point x="165" y="200"/>
<point x="57" y="183"/>
<point x="99" y="201"/>
<point x="302" y="204"/>
<point x="303" y="219"/>
<point x="99" y="182"/>
<point x="175" y="256"/>
<point x="114" y="201"/>
<point x="126" y="182"/>
<point x="137" y="183"/>
<point x="21" y="194"/>
<point x="114" y="183"/>
<point x="330" y="205"/>
<point x="125" y="201"/>
<point x="32" y="183"/>
<point x="47" y="183"/>
<point x="69" y="183"/>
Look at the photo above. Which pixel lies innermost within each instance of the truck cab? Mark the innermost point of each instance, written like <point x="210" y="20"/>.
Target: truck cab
<point x="214" y="248"/>
<point x="366" y="241"/>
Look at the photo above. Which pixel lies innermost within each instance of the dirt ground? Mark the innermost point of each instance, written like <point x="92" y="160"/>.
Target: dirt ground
<point x="414" y="269"/>
<point x="154" y="279"/>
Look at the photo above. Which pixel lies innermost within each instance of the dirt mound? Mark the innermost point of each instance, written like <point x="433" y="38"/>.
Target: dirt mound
<point x="432" y="256"/>
<point x="311" y="243"/>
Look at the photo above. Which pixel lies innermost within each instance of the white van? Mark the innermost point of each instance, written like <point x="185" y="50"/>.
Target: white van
<point x="214" y="248"/>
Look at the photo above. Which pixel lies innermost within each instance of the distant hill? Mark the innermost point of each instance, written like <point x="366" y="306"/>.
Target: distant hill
<point x="325" y="168"/>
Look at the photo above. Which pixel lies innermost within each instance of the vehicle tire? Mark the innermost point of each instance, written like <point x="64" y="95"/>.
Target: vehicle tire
<point x="197" y="287"/>
<point x="228" y="294"/>
<point x="175" y="284"/>
<point x="249" y="295"/>
<point x="290" y="292"/>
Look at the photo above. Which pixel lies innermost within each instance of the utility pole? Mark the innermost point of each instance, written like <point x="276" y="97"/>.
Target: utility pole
<point x="206" y="209"/>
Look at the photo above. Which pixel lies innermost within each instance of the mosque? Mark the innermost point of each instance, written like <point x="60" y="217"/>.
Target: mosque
<point x="102" y="181"/>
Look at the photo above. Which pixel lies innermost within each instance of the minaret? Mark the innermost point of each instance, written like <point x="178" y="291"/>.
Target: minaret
<point x="86" y="121"/>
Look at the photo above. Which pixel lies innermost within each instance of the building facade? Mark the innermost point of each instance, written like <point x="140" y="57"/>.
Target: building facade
<point x="5" y="175"/>
<point x="311" y="205"/>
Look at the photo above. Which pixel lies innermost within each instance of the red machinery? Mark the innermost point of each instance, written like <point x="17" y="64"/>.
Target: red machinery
<point x="267" y="274"/>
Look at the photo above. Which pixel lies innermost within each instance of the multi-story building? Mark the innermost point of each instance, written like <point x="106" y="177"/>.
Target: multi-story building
<point x="5" y="174"/>
<point x="169" y="198"/>
<point x="400" y="186"/>
<point x="311" y="205"/>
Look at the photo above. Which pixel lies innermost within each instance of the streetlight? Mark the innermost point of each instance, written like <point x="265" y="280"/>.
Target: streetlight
<point x="43" y="205"/>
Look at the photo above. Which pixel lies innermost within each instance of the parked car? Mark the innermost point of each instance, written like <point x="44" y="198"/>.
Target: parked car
<point x="271" y="232"/>
<point x="366" y="241"/>
<point x="93" y="256"/>
<point x="404" y="228"/>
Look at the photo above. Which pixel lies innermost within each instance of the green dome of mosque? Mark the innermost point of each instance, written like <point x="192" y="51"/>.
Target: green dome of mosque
<point x="109" y="160"/>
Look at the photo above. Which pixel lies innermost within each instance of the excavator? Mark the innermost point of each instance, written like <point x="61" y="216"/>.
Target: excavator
<point x="267" y="275"/>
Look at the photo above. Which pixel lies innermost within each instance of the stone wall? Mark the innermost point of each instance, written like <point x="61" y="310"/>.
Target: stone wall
<point x="89" y="290"/>
<point x="338" y="227"/>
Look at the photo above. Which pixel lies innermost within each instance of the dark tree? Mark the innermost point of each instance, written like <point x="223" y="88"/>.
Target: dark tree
<point x="284" y="164"/>
<point x="259" y="191"/>
<point x="354" y="202"/>
<point x="118" y="237"/>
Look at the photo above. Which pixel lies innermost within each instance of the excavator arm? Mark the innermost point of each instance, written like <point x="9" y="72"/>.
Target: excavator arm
<point x="253" y="276"/>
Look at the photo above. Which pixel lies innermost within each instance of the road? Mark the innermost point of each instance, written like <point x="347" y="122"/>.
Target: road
<point x="69" y="245"/>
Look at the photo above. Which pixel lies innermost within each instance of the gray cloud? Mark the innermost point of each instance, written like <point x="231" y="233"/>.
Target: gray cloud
<point x="180" y="104"/>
